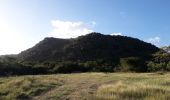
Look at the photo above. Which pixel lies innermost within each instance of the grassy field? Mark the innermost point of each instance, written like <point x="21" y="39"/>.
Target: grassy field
<point x="87" y="86"/>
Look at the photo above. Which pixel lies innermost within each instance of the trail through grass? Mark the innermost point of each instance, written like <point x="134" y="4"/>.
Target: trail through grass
<point x="87" y="86"/>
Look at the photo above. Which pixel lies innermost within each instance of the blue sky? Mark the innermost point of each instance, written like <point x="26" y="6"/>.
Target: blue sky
<point x="23" y="23"/>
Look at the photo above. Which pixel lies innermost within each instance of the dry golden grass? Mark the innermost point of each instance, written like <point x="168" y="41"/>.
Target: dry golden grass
<point x="87" y="86"/>
<point x="126" y="91"/>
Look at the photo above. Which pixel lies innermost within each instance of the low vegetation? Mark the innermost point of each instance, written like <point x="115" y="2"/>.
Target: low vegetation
<point x="87" y="86"/>
<point x="160" y="62"/>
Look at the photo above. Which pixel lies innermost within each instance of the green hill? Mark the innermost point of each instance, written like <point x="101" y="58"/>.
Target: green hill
<point x="166" y="48"/>
<point x="91" y="47"/>
<point x="93" y="52"/>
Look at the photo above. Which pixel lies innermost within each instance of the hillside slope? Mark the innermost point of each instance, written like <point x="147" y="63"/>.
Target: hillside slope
<point x="93" y="52"/>
<point x="166" y="48"/>
<point x="90" y="47"/>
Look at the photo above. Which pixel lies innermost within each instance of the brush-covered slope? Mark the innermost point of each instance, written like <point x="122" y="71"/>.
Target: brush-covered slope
<point x="93" y="52"/>
<point x="94" y="46"/>
<point x="44" y="50"/>
<point x="166" y="48"/>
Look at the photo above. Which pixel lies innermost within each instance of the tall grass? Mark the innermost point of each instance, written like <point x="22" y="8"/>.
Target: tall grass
<point x="130" y="91"/>
<point x="87" y="86"/>
<point x="21" y="88"/>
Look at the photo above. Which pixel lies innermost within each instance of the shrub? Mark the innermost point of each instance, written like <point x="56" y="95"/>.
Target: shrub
<point x="132" y="64"/>
<point x="68" y="67"/>
<point x="160" y="62"/>
<point x="168" y="66"/>
<point x="156" y="66"/>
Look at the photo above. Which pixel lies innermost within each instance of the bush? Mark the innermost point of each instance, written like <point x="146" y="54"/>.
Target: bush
<point x="160" y="62"/>
<point x="157" y="66"/>
<point x="168" y="66"/>
<point x="68" y="67"/>
<point x="132" y="64"/>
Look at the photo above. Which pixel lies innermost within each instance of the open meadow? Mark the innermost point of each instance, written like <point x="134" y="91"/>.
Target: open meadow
<point x="87" y="86"/>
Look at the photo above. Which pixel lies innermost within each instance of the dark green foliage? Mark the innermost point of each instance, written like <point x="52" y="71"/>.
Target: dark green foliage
<point x="46" y="49"/>
<point x="20" y="69"/>
<point x="168" y="66"/>
<point x="68" y="67"/>
<point x="99" y="66"/>
<point x="9" y="65"/>
<point x="88" y="48"/>
<point x="160" y="62"/>
<point x="166" y="48"/>
<point x="90" y="53"/>
<point x="132" y="64"/>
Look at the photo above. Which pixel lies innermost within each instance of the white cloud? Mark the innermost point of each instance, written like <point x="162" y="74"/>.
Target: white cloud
<point x="116" y="34"/>
<point x="154" y="40"/>
<point x="68" y="29"/>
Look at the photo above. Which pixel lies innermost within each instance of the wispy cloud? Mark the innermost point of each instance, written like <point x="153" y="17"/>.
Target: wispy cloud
<point x="93" y="23"/>
<point x="154" y="40"/>
<point x="118" y="33"/>
<point x="69" y="29"/>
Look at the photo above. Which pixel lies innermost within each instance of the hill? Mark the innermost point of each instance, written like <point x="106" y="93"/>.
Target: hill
<point x="90" y="47"/>
<point x="44" y="50"/>
<point x="93" y="52"/>
<point x="166" y="48"/>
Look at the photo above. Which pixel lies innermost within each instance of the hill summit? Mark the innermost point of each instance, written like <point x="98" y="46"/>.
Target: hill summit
<point x="91" y="47"/>
<point x="93" y="51"/>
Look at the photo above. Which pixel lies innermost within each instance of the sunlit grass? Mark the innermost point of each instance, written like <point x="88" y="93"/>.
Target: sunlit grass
<point x="87" y="86"/>
<point x="26" y="87"/>
<point x="131" y="91"/>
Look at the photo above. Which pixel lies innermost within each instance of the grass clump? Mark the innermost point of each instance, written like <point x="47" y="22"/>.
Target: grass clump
<point x="126" y="91"/>
<point x="87" y="86"/>
<point x="25" y="87"/>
